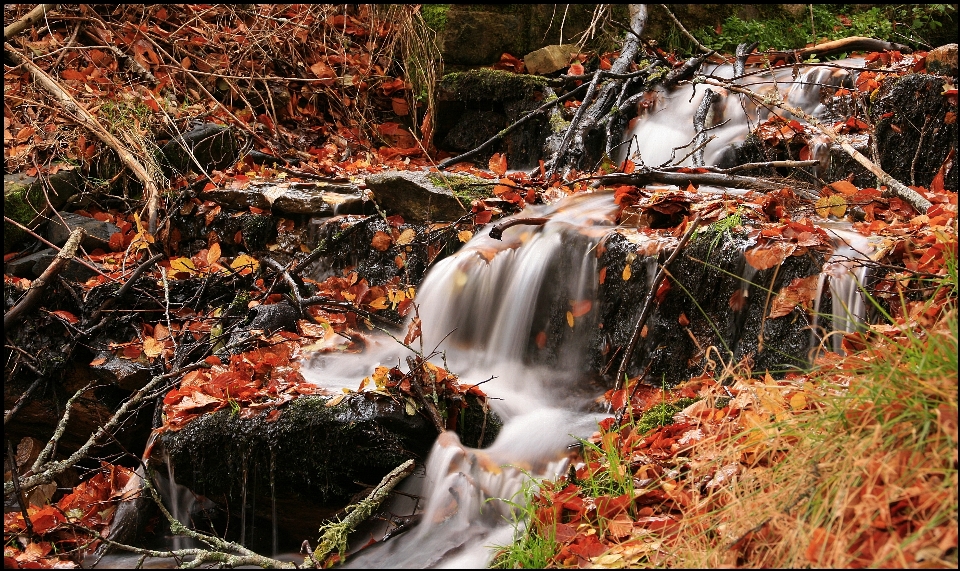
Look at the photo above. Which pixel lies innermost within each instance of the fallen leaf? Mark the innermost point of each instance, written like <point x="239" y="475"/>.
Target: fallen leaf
<point x="381" y="241"/>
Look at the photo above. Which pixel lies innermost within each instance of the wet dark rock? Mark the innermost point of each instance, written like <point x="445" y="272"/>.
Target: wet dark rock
<point x="96" y="234"/>
<point x="915" y="103"/>
<point x="415" y="196"/>
<point x="126" y="374"/>
<point x="205" y="148"/>
<point x="275" y="317"/>
<point x="33" y="265"/>
<point x="711" y="271"/>
<point x="318" y="452"/>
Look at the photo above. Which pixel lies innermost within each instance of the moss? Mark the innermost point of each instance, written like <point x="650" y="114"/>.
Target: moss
<point x="662" y="414"/>
<point x="492" y="85"/>
<point x="466" y="189"/>
<point x="435" y="16"/>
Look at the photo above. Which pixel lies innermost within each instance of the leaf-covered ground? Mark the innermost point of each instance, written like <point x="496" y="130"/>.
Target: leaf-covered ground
<point x="730" y="469"/>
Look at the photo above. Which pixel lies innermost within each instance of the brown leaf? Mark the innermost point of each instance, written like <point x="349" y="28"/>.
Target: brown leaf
<point x="801" y="291"/>
<point x="498" y="164"/>
<point x="381" y="241"/>
<point x="766" y="256"/>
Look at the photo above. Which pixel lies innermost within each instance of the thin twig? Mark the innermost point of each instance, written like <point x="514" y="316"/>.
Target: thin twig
<point x="648" y="303"/>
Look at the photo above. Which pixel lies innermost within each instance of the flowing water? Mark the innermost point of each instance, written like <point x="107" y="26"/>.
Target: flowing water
<point x="483" y="308"/>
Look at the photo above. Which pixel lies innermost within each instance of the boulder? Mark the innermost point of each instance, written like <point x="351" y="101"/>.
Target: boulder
<point x="943" y="60"/>
<point x="96" y="233"/>
<point x="416" y="196"/>
<point x="549" y="59"/>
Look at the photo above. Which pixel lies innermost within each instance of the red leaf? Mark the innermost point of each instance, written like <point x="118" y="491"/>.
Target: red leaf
<point x="66" y="316"/>
<point x="483" y="217"/>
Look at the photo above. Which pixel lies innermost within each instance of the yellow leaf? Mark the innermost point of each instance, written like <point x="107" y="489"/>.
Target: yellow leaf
<point x="379" y="303"/>
<point x="335" y="400"/>
<point x="152" y="348"/>
<point x="406" y="236"/>
<point x="626" y="272"/>
<point x="835" y="205"/>
<point x="798" y="401"/>
<point x="465" y="235"/>
<point x="245" y="264"/>
<point x="570" y="319"/>
<point x="411" y="406"/>
<point x="183" y="265"/>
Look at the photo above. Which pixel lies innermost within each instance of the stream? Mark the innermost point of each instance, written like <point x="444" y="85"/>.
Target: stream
<point x="483" y="305"/>
<point x="485" y="308"/>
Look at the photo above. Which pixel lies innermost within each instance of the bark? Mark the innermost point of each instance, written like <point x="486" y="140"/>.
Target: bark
<point x="13" y="317"/>
<point x="572" y="150"/>
<point x="32" y="17"/>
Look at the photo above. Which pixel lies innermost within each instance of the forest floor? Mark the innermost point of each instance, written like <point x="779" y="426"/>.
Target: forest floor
<point x="852" y="464"/>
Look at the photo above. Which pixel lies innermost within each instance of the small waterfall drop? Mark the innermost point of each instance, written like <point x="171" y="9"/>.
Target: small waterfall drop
<point x="494" y="312"/>
<point x="666" y="123"/>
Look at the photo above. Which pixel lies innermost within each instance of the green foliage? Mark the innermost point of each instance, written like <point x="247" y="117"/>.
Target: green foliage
<point x="913" y="24"/>
<point x="661" y="414"/>
<point x="531" y="549"/>
<point x="435" y="16"/>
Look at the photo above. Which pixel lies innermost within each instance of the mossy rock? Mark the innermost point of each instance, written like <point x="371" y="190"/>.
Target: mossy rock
<point x="25" y="200"/>
<point x="491" y="85"/>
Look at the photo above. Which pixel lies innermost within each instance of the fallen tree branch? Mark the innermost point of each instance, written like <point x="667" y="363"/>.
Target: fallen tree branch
<point x="13" y="317"/>
<point x="896" y="188"/>
<point x="335" y="534"/>
<point x="648" y="303"/>
<point x="683" y="179"/>
<point x="844" y="45"/>
<point x="497" y="231"/>
<point x="32" y="17"/>
<point x="151" y="191"/>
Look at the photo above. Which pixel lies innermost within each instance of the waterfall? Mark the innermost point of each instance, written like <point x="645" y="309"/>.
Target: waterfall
<point x="500" y="313"/>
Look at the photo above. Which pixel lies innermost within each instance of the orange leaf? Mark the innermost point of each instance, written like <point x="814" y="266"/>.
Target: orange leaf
<point x="498" y="164"/>
<point x="381" y="241"/>
<point x="213" y="254"/>
<point x="581" y="307"/>
<point x="844" y="187"/>
<point x="66" y="316"/>
<point x="768" y="255"/>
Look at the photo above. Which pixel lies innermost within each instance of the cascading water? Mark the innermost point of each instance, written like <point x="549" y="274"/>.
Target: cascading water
<point x="488" y="309"/>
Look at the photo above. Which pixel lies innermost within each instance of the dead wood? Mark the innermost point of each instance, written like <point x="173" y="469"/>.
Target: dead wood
<point x="16" y="314"/>
<point x="497" y="231"/>
<point x="416" y="372"/>
<point x="683" y="179"/>
<point x="32" y="17"/>
<point x="335" y="534"/>
<point x="572" y="149"/>
<point x="845" y="45"/>
<point x="648" y="303"/>
<point x="896" y="188"/>
<point x="151" y="190"/>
